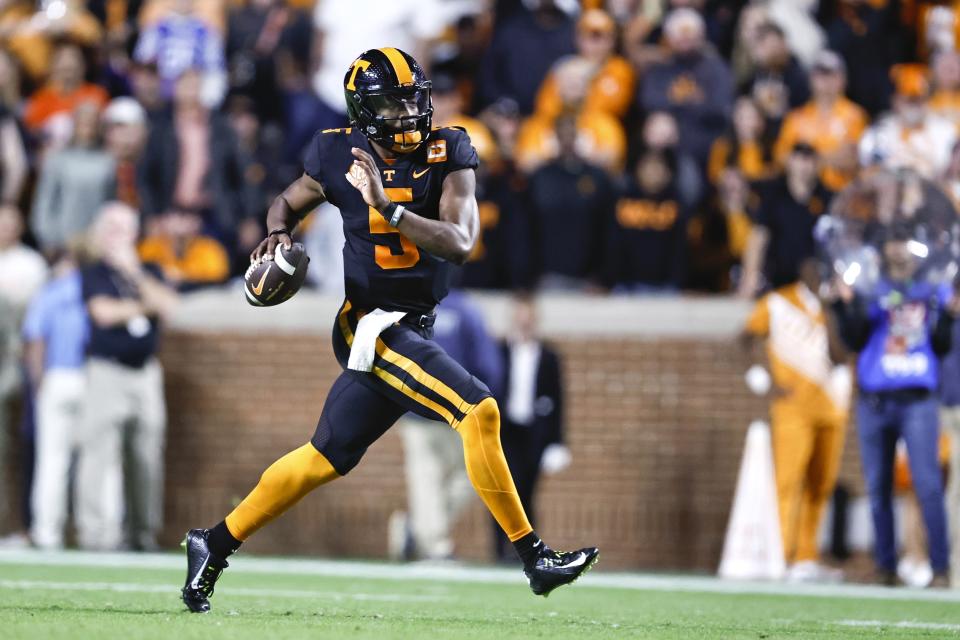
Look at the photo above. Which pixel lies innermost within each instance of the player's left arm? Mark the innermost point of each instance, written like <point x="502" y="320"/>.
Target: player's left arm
<point x="453" y="235"/>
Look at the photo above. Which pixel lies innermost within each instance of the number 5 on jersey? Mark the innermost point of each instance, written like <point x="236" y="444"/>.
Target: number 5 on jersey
<point x="383" y="255"/>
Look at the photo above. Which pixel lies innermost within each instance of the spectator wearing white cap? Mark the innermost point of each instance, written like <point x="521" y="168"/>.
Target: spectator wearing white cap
<point x="74" y="183"/>
<point x="125" y="133"/>
<point x="829" y="122"/>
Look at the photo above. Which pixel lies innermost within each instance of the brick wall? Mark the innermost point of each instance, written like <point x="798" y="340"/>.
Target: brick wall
<point x="656" y="425"/>
<point x="656" y="417"/>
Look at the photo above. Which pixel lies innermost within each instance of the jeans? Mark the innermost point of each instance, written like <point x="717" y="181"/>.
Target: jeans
<point x="881" y="420"/>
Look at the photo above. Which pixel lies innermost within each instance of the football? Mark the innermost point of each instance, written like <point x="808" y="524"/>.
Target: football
<point x="271" y="282"/>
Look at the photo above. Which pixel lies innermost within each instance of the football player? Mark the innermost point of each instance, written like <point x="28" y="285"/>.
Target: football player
<point x="406" y="195"/>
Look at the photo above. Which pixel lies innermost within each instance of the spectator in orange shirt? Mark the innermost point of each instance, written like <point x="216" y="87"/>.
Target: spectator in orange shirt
<point x="830" y="123"/>
<point x="188" y="258"/>
<point x="29" y="33"/>
<point x="612" y="79"/>
<point x="945" y="101"/>
<point x="600" y="137"/>
<point x="48" y="109"/>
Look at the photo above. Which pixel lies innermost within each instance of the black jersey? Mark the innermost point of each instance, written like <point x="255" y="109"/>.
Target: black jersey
<point x="382" y="268"/>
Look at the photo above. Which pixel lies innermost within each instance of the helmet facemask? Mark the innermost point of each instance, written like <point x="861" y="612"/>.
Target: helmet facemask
<point x="398" y="119"/>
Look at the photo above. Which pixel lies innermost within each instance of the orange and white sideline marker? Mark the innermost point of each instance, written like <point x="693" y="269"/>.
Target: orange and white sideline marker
<point x="753" y="549"/>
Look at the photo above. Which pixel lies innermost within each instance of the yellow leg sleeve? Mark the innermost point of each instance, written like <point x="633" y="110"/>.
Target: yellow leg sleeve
<point x="821" y="479"/>
<point x="488" y="471"/>
<point x="281" y="486"/>
<point x="792" y="445"/>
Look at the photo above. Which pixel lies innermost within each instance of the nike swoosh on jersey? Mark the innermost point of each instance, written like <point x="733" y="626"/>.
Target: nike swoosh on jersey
<point x="259" y="288"/>
<point x="418" y="174"/>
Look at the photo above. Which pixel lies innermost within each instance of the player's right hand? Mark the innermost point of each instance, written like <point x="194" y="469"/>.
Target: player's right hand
<point x="268" y="246"/>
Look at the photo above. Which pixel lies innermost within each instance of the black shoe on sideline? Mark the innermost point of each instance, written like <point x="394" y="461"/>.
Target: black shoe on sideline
<point x="556" y="568"/>
<point x="203" y="571"/>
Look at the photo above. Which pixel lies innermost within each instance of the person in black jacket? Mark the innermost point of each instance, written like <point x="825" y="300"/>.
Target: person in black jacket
<point x="192" y="158"/>
<point x="786" y="211"/>
<point x="531" y="430"/>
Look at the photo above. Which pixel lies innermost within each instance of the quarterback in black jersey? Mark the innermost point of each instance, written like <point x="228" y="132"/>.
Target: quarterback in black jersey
<point x="406" y="195"/>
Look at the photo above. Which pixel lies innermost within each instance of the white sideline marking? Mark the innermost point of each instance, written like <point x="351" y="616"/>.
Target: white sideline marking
<point x="469" y="574"/>
<point x="902" y="624"/>
<point x="125" y="587"/>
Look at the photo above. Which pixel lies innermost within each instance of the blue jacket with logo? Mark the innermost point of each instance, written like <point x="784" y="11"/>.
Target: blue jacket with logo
<point x="900" y="331"/>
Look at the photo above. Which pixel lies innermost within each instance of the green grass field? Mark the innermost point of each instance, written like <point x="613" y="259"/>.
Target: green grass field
<point x="75" y="595"/>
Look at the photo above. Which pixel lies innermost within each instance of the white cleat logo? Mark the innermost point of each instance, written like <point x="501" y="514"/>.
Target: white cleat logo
<point x="576" y="563"/>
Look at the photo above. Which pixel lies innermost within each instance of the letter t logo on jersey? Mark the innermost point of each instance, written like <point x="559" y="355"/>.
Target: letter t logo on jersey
<point x="388" y="174"/>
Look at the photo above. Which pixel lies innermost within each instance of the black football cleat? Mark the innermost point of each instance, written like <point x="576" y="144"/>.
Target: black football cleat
<point x="556" y="568"/>
<point x="203" y="570"/>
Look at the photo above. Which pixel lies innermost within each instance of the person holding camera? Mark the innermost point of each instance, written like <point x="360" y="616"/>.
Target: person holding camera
<point x="900" y="329"/>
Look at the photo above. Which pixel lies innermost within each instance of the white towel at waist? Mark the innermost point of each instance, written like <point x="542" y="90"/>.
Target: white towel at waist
<point x="365" y="337"/>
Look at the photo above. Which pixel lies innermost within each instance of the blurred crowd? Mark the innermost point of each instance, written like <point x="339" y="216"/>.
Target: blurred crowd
<point x="627" y="145"/>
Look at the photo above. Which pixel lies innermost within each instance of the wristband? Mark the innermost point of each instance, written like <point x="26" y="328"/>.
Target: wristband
<point x="397" y="214"/>
<point x="392" y="213"/>
<point x="276" y="232"/>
